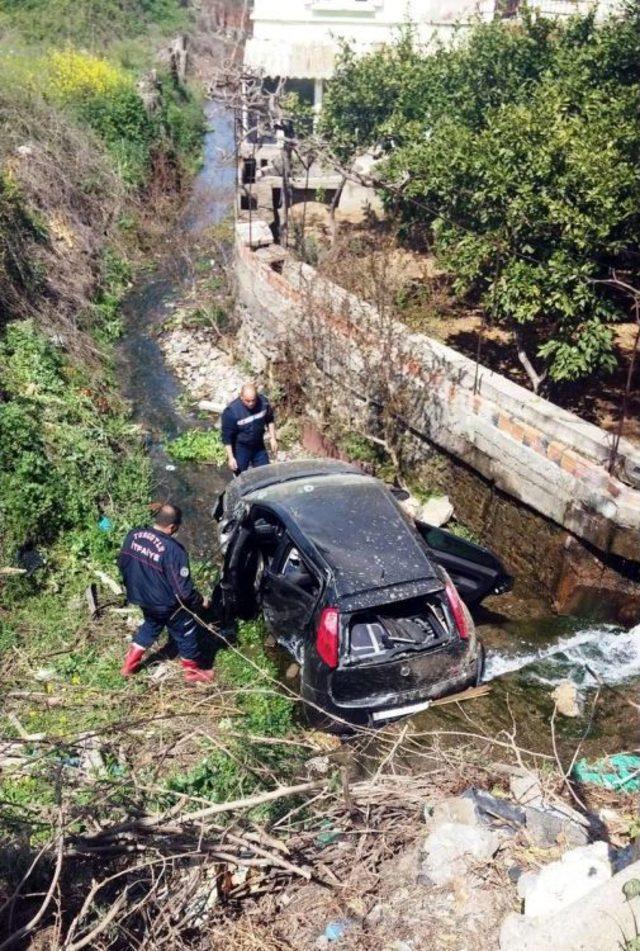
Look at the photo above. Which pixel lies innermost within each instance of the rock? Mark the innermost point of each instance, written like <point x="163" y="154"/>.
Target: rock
<point x="563" y="882"/>
<point x="292" y="672"/>
<point x="566" y="699"/>
<point x="452" y="845"/>
<point x="436" y="511"/>
<point x="318" y="765"/>
<point x="549" y="827"/>
<point x="452" y="809"/>
<point x="598" y="921"/>
<point x="374" y="917"/>
<point x="526" y="789"/>
<point x="412" y="506"/>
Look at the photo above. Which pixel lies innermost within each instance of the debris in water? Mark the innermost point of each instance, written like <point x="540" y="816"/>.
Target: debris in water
<point x="170" y="468"/>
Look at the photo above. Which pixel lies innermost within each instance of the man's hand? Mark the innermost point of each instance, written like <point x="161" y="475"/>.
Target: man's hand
<point x="274" y="445"/>
<point x="206" y="603"/>
<point x="233" y="465"/>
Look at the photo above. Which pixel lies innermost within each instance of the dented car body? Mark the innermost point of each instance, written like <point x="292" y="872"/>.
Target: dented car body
<point x="373" y="606"/>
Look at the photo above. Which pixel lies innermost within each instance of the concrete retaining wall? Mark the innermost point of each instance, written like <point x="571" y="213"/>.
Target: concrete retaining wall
<point x="534" y="451"/>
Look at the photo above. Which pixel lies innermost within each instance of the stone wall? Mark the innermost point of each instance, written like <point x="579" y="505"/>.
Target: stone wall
<point x="523" y="447"/>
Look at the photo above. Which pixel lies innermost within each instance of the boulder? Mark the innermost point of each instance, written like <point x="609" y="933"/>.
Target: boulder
<point x="453" y="846"/>
<point x="600" y="920"/>
<point x="211" y="406"/>
<point x="436" y="511"/>
<point x="562" y="883"/>
<point x="549" y="827"/>
<point x="451" y="809"/>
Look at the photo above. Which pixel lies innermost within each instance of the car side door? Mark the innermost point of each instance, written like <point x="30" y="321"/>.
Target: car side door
<point x="289" y="596"/>
<point x="475" y="571"/>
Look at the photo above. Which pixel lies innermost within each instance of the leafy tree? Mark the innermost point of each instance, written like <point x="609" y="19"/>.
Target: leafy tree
<point x="515" y="153"/>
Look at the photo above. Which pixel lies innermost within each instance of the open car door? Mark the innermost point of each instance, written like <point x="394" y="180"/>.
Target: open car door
<point x="475" y="571"/>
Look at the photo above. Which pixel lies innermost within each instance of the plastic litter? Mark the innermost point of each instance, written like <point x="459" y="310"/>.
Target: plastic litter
<point x="336" y="929"/>
<point x="327" y="837"/>
<point x="170" y="468"/>
<point x="105" y="524"/>
<point x="619" y="772"/>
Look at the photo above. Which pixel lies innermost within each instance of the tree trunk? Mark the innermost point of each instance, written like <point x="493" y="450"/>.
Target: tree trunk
<point x="536" y="379"/>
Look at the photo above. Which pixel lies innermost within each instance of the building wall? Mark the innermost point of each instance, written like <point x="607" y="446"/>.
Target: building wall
<point x="370" y="22"/>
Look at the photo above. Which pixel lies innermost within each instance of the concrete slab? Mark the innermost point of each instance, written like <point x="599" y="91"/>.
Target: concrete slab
<point x="602" y="920"/>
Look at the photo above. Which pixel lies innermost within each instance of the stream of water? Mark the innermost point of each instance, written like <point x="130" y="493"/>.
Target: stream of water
<point x="525" y="657"/>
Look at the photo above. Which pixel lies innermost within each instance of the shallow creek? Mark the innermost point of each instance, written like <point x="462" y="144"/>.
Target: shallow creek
<point x="528" y="649"/>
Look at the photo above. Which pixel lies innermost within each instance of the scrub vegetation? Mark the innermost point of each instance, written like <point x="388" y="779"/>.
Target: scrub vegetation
<point x="198" y="445"/>
<point x="513" y="156"/>
<point x="81" y="159"/>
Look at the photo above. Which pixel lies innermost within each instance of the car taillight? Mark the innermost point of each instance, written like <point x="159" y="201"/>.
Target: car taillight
<point x="457" y="609"/>
<point x="327" y="636"/>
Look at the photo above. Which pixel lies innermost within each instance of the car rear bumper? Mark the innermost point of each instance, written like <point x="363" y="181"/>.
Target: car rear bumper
<point x="378" y="708"/>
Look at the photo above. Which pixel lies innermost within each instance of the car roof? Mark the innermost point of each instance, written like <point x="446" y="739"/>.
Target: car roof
<point x="279" y="472"/>
<point x="356" y="527"/>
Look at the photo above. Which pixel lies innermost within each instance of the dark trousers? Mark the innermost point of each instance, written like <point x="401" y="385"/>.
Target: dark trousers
<point x="249" y="456"/>
<point x="181" y="627"/>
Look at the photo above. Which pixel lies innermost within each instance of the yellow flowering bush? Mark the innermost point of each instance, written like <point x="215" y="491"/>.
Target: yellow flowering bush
<point x="74" y="76"/>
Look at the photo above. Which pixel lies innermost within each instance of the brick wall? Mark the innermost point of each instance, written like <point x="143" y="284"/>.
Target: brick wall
<point x="521" y="445"/>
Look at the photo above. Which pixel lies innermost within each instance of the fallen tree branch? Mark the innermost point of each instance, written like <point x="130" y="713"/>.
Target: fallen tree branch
<point x="153" y="822"/>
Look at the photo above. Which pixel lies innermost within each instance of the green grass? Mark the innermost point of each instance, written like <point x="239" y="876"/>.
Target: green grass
<point x="240" y="764"/>
<point x="93" y="24"/>
<point x="198" y="445"/>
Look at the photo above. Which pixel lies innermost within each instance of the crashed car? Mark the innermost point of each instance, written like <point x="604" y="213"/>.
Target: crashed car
<point x="372" y="605"/>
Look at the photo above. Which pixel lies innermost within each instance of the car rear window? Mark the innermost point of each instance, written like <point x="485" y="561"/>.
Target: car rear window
<point x="359" y="530"/>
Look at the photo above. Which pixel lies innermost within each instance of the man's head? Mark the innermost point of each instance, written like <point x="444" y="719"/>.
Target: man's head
<point x="168" y="518"/>
<point x="249" y="395"/>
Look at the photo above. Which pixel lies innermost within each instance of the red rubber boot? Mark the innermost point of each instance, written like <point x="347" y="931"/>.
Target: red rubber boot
<point x="133" y="660"/>
<point x="196" y="675"/>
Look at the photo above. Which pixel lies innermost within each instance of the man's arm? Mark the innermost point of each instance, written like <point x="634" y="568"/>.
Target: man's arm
<point x="273" y="438"/>
<point x="271" y="429"/>
<point x="178" y="572"/>
<point x="229" y="429"/>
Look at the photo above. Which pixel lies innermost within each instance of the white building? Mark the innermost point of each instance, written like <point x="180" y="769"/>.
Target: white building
<point x="299" y="39"/>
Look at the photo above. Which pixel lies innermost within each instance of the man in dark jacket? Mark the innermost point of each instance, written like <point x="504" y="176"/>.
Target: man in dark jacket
<point x="244" y="423"/>
<point x="156" y="574"/>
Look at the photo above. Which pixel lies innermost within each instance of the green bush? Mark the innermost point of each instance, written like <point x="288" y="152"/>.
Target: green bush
<point x="514" y="153"/>
<point x="197" y="445"/>
<point x="92" y="23"/>
<point x="64" y="461"/>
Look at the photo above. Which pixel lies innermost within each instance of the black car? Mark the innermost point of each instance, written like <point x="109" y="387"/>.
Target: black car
<point x="373" y="606"/>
